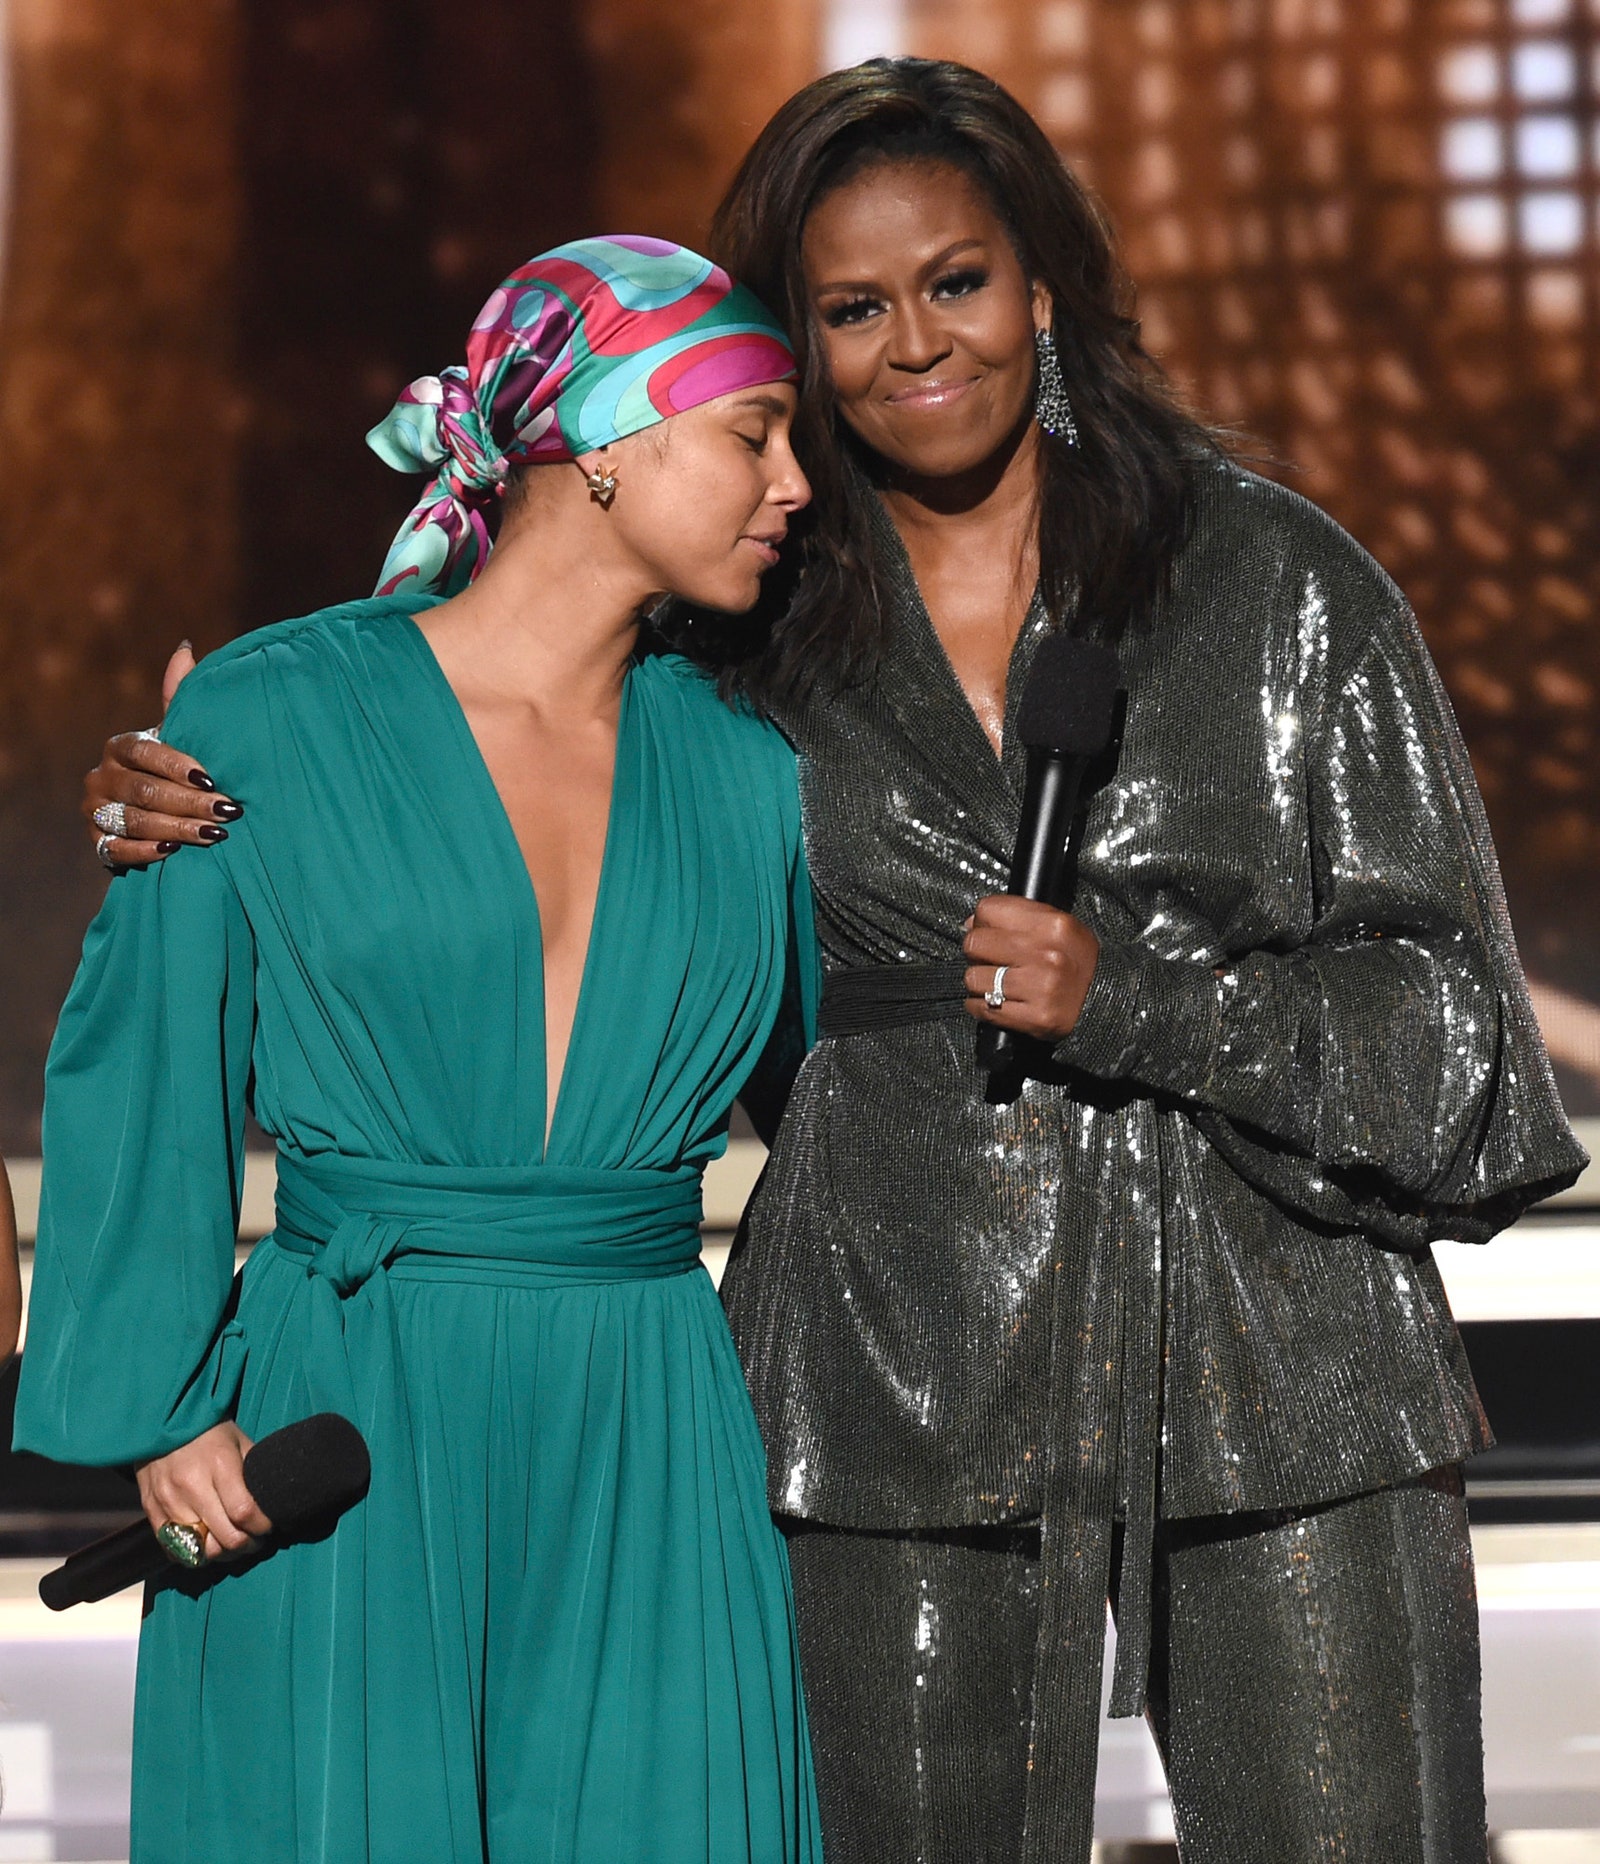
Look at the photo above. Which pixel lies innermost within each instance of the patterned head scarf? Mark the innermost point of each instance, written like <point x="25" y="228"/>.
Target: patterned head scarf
<point x="580" y="347"/>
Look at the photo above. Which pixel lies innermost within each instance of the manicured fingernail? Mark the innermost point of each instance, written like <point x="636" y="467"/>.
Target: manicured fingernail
<point x="186" y="642"/>
<point x="208" y="831"/>
<point x="226" y="811"/>
<point x="168" y="847"/>
<point x="200" y="780"/>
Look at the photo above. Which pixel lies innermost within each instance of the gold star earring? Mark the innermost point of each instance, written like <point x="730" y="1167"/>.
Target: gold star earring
<point x="603" y="484"/>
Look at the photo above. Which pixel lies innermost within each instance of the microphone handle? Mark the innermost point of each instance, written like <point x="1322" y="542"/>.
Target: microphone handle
<point x="103" y="1567"/>
<point x="1038" y="866"/>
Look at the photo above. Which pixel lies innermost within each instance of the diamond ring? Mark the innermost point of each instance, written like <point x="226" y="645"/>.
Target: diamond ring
<point x="103" y="854"/>
<point x="995" y="995"/>
<point x="112" y="818"/>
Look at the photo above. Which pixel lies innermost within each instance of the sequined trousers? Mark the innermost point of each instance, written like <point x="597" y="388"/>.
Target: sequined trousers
<point x="1314" y="1684"/>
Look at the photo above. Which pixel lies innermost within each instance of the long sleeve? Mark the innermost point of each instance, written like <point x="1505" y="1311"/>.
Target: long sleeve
<point x="1386" y="1073"/>
<point x="127" y="1352"/>
<point x="766" y="1093"/>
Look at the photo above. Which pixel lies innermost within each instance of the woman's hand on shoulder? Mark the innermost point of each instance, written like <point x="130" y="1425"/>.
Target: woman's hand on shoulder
<point x="166" y="798"/>
<point x="202" y="1486"/>
<point x="1049" y="960"/>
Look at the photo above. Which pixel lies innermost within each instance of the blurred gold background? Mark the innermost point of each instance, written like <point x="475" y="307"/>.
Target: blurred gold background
<point x="1365" y="232"/>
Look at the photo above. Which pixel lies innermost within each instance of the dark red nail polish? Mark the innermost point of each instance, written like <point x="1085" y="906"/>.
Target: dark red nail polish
<point x="200" y="780"/>
<point x="227" y="812"/>
<point x="168" y="847"/>
<point x="208" y="831"/>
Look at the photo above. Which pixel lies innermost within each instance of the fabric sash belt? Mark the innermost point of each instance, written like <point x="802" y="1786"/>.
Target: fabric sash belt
<point x="886" y="996"/>
<point x="550" y="1225"/>
<point x="357" y="1229"/>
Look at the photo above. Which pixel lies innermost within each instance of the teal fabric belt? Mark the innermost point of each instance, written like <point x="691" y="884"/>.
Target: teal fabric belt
<point x="545" y="1225"/>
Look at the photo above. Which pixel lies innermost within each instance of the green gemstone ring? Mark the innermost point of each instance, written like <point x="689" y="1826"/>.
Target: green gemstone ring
<point x="183" y="1543"/>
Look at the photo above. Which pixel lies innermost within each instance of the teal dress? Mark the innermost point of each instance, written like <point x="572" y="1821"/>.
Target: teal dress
<point x="559" y="1629"/>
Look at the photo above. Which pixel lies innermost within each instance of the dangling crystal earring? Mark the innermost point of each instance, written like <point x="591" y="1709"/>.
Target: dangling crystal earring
<point x="603" y="485"/>
<point x="1051" y="409"/>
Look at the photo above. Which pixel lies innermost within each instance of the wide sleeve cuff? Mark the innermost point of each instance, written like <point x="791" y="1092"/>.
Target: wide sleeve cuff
<point x="1148" y="1019"/>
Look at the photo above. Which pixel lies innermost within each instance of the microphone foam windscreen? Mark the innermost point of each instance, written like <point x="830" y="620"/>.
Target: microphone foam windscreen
<point x="1069" y="703"/>
<point x="316" y="1467"/>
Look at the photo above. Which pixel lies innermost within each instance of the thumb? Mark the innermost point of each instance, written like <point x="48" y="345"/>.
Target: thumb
<point x="179" y="667"/>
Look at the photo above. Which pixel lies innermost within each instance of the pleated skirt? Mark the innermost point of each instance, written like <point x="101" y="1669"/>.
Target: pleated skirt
<point x="559" y="1629"/>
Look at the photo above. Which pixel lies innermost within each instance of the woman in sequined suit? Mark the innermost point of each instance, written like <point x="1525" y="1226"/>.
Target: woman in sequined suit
<point x="1168" y="1326"/>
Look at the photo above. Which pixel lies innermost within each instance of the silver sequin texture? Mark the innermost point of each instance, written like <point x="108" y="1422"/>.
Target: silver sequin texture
<point x="1308" y="1049"/>
<point x="1191" y="1276"/>
<point x="1315" y="1689"/>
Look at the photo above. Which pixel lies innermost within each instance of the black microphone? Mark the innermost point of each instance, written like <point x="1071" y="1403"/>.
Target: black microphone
<point x="301" y="1476"/>
<point x="1065" y="720"/>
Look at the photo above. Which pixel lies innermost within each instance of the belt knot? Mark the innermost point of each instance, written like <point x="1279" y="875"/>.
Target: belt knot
<point x="358" y="1247"/>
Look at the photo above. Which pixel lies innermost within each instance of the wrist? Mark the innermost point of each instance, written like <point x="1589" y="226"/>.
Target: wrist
<point x="1146" y="1018"/>
<point x="1086" y="965"/>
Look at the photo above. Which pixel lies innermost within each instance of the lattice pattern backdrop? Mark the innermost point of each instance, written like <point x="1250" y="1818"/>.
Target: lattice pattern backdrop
<point x="1365" y="232"/>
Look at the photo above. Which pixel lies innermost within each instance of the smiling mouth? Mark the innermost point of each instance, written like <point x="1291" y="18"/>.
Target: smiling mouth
<point x="766" y="546"/>
<point x="931" y="394"/>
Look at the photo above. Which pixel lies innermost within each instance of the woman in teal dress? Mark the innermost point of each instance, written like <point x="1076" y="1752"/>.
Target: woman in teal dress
<point x="559" y="1627"/>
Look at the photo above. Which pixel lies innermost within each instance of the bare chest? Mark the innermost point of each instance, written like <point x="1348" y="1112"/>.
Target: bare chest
<point x="556" y="792"/>
<point x="977" y="621"/>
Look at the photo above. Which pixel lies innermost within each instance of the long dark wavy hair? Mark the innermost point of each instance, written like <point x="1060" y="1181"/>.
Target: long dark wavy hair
<point x="1113" y="510"/>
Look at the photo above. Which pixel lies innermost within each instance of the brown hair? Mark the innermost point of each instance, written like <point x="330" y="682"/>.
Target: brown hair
<point x="1113" y="510"/>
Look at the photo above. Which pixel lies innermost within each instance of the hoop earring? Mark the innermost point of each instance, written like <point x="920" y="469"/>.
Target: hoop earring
<point x="603" y="485"/>
<point x="1051" y="408"/>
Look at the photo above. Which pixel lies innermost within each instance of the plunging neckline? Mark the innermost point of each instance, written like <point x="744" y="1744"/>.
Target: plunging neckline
<point x="940" y="654"/>
<point x="502" y="830"/>
<point x="1013" y="687"/>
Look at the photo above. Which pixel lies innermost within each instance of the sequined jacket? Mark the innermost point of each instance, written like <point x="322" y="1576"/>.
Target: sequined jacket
<point x="1192" y="1267"/>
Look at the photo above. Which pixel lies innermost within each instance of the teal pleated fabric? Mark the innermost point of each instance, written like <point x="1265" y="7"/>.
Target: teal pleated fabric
<point x="559" y="1629"/>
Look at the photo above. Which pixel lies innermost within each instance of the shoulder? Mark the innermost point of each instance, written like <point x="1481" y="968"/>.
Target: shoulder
<point x="740" y="764"/>
<point x="1268" y="530"/>
<point x="733" y="726"/>
<point x="242" y="691"/>
<point x="1259" y="549"/>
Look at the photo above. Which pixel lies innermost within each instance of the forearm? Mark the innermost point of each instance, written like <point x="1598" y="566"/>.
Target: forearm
<point x="129" y="1329"/>
<point x="132" y="1347"/>
<point x="1378" y="1055"/>
<point x="1380" y="1068"/>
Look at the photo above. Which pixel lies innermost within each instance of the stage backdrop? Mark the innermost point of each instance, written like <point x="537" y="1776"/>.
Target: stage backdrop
<point x="1365" y="232"/>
